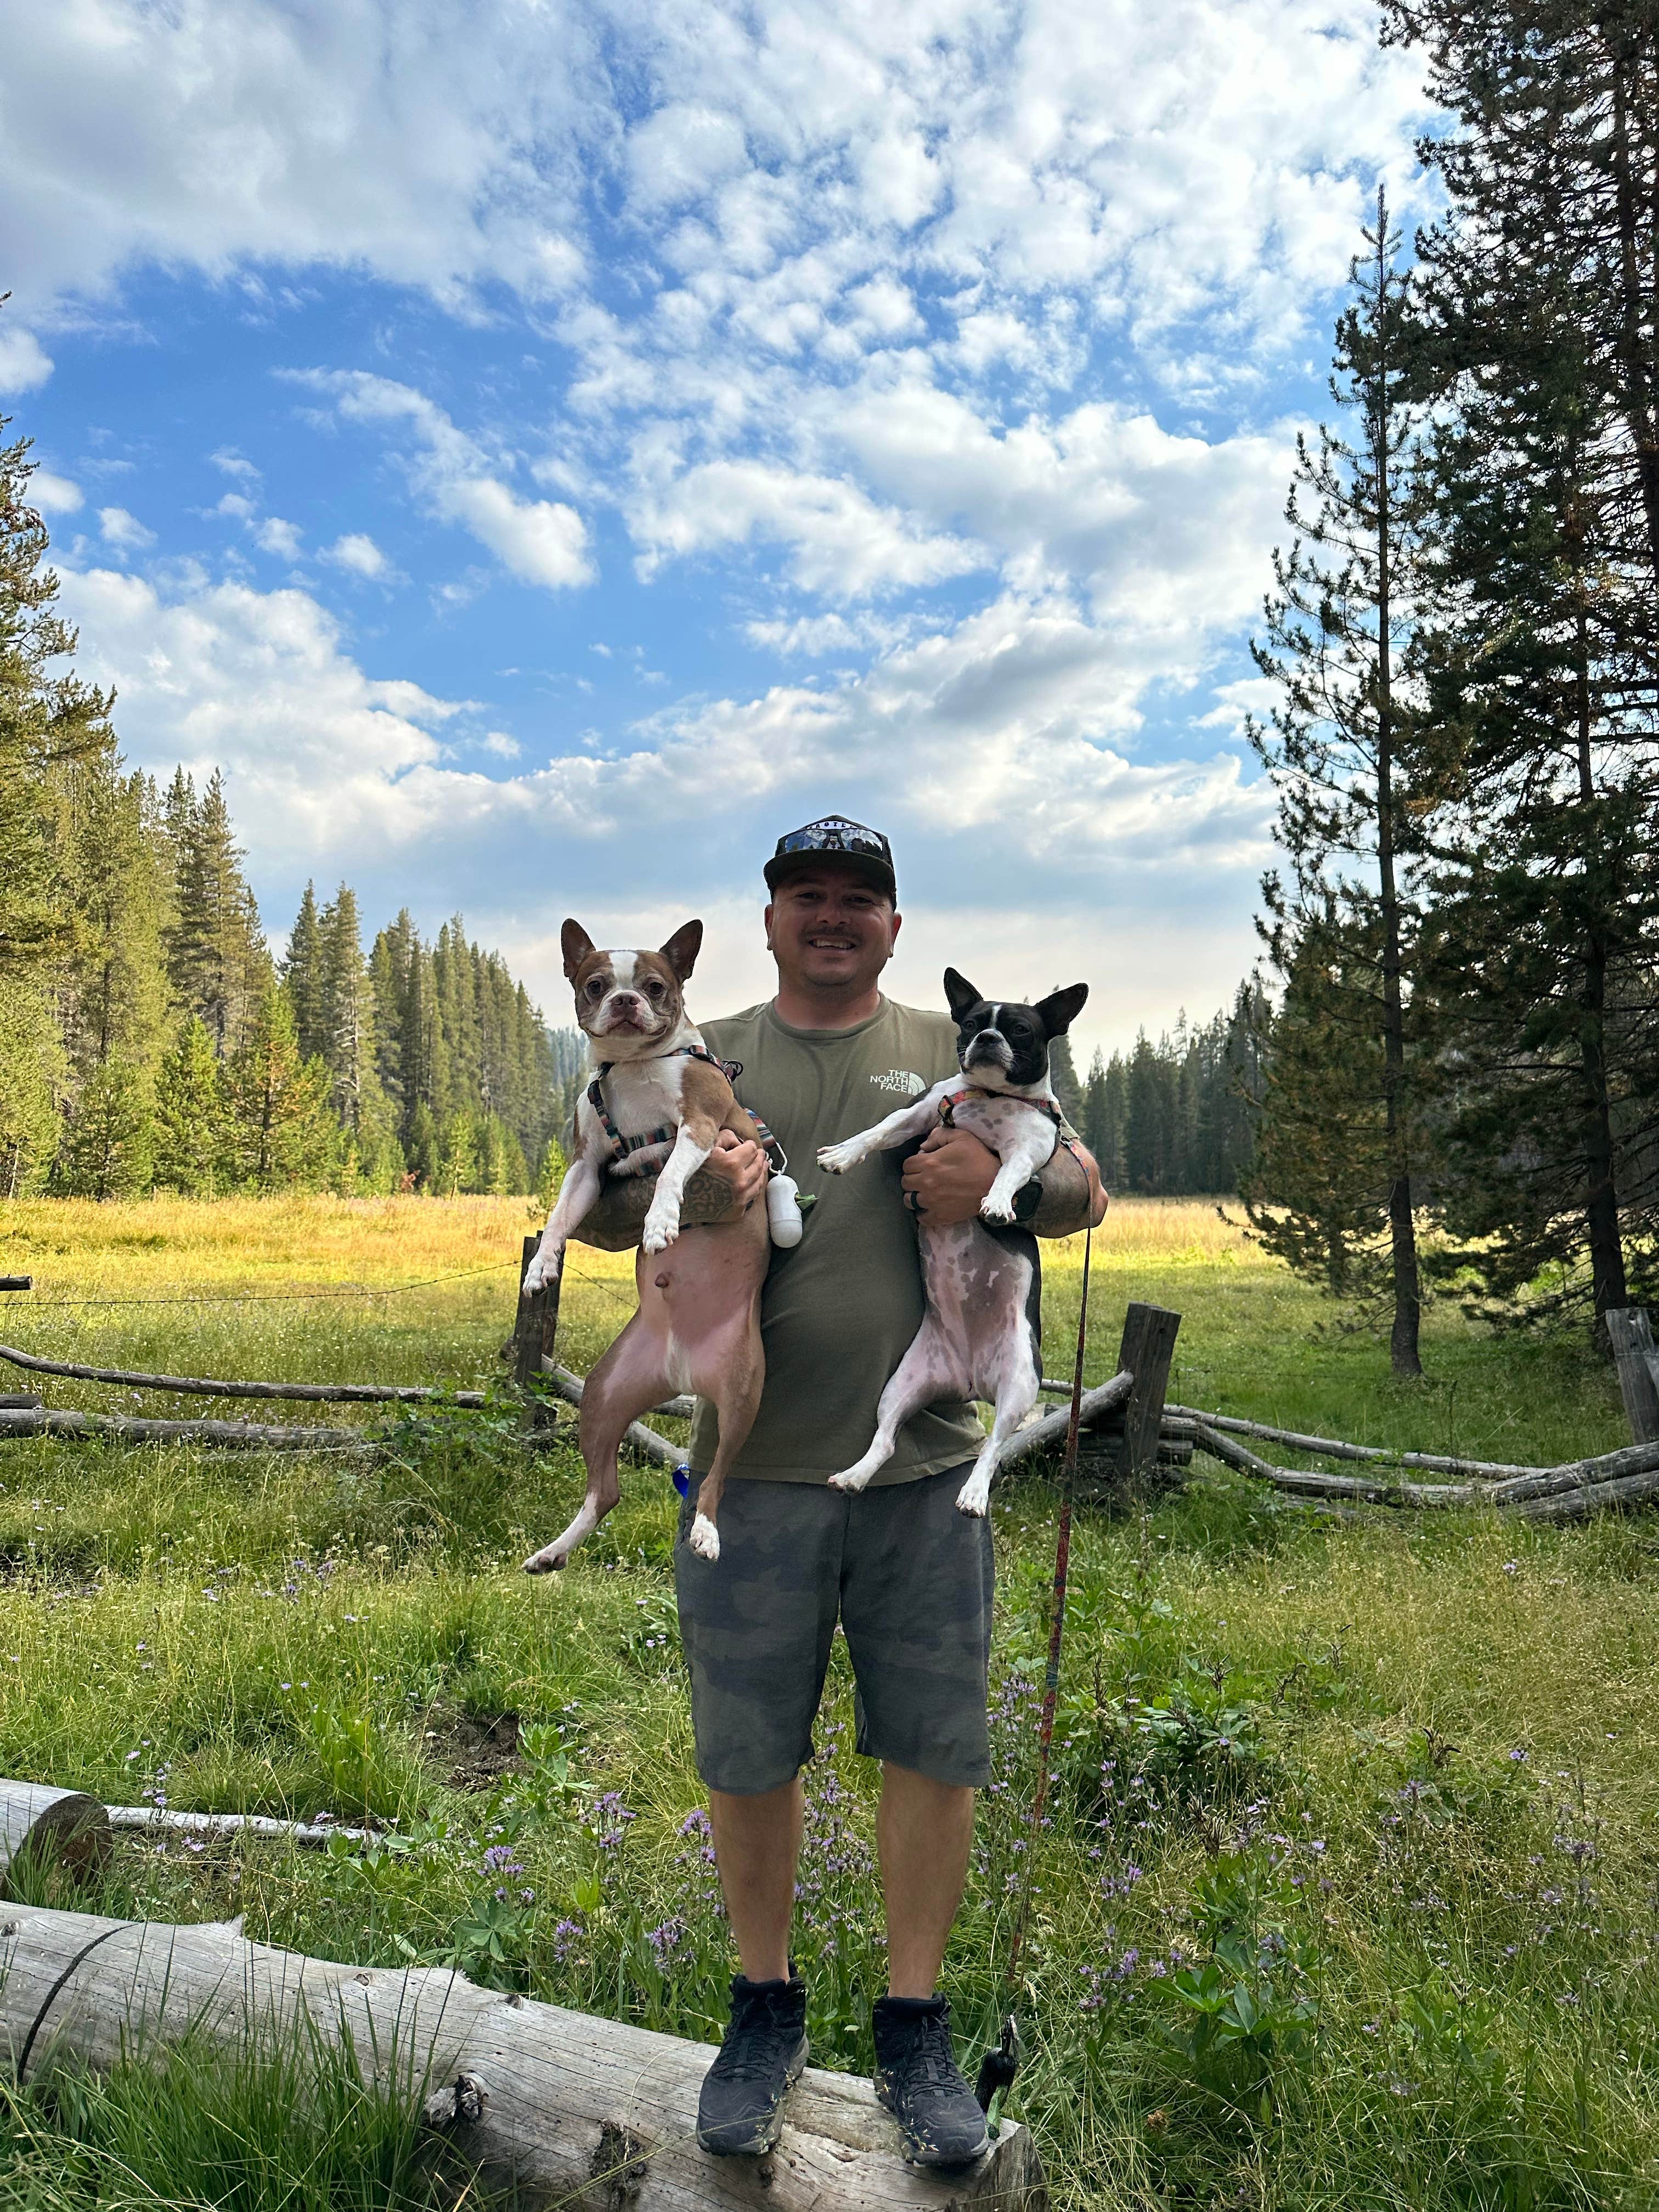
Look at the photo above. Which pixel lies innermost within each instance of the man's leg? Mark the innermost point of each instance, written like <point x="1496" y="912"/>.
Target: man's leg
<point x="757" y="1841"/>
<point x="924" y="1833"/>
<point x="916" y="1591"/>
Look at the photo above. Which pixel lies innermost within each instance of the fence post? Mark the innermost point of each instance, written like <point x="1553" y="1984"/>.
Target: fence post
<point x="536" y="1323"/>
<point x="1149" y="1336"/>
<point x="1631" y="1336"/>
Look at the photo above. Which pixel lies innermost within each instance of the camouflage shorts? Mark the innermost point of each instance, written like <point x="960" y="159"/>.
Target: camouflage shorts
<point x="911" y="1580"/>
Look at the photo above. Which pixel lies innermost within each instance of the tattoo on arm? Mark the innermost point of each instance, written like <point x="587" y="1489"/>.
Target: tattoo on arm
<point x="1063" y="1209"/>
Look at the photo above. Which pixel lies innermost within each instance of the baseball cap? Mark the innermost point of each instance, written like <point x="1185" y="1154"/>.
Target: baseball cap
<point x="834" y="837"/>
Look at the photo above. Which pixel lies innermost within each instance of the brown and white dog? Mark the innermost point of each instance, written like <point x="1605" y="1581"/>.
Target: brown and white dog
<point x="698" y="1323"/>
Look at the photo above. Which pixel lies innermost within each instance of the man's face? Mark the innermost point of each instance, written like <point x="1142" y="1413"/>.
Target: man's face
<point x="830" y="929"/>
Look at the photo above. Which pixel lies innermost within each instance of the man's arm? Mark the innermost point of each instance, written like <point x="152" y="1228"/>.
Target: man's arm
<point x="727" y="1184"/>
<point x="953" y="1172"/>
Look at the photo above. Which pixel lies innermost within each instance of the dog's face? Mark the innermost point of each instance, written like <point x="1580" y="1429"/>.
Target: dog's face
<point x="626" y="1001"/>
<point x="1002" y="1046"/>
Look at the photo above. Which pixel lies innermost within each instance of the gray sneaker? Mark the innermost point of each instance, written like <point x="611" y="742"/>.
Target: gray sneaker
<point x="740" y="2109"/>
<point x="918" y="2079"/>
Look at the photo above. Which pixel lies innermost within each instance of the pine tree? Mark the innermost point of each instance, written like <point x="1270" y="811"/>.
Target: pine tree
<point x="281" y="1134"/>
<point x="191" y="1136"/>
<point x="302" y="979"/>
<point x="50" y="724"/>
<point x="1097" y="1128"/>
<point x="114" y="991"/>
<point x="1342" y="750"/>
<point x="217" y="963"/>
<point x="1541" y="292"/>
<point x="33" y="1074"/>
<point x="107" y="1148"/>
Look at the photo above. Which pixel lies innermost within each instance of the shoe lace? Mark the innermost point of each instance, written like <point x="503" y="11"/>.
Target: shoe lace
<point x="757" y="2040"/>
<point x="929" y="2064"/>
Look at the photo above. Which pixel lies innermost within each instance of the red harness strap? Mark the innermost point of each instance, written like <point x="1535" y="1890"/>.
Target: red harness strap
<point x="955" y="1098"/>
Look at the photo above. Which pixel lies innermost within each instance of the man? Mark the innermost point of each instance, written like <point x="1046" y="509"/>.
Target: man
<point x="910" y="1577"/>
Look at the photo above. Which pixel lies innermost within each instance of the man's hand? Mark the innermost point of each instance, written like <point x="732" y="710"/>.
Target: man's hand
<point x="946" y="1179"/>
<point x="953" y="1171"/>
<point x="740" y="1163"/>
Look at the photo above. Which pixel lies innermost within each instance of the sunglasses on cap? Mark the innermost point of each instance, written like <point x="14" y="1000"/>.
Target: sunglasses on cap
<point x="833" y="834"/>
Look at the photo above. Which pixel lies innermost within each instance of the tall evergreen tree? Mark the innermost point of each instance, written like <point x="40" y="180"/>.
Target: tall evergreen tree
<point x="217" y="963"/>
<point x="281" y="1135"/>
<point x="191" y="1136"/>
<point x="1341" y="748"/>
<point x="1541" y="305"/>
<point x="108" y="1147"/>
<point x="302" y="979"/>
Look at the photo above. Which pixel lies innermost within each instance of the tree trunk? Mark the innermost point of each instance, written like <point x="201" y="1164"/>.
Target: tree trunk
<point x="1402" y="1228"/>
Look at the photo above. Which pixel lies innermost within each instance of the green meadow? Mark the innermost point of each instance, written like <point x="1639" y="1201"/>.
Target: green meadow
<point x="1349" y="1894"/>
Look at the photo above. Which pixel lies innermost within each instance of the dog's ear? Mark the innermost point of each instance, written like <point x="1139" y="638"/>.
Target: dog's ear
<point x="575" y="944"/>
<point x="682" y="949"/>
<point x="1061" y="1008"/>
<point x="959" y="994"/>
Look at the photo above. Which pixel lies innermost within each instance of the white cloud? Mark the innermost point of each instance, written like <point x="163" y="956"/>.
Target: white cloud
<point x="540" y="541"/>
<point x="499" y="742"/>
<point x="273" y="535"/>
<point x="235" y="507"/>
<point x="123" y="531"/>
<point x="840" y="542"/>
<point x="52" y="494"/>
<point x="24" y="364"/>
<point x="322" y="755"/>
<point x="236" y="465"/>
<point x="358" y="552"/>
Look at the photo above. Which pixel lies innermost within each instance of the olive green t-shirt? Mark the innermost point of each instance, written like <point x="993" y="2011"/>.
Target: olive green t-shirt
<point x="839" y="1312"/>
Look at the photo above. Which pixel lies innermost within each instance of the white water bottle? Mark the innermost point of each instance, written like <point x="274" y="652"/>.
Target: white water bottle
<point x="783" y="1210"/>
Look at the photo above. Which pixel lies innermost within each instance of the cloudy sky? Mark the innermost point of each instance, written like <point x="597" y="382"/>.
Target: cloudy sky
<point x="544" y="449"/>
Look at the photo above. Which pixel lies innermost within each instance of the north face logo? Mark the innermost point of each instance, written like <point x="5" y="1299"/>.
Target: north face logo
<point x="903" y="1080"/>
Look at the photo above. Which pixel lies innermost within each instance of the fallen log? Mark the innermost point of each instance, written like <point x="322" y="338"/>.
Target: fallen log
<point x="203" y="1386"/>
<point x="1570" y="1493"/>
<point x="1333" y="1448"/>
<point x="1048" y="1432"/>
<point x="246" y="1436"/>
<point x="575" y="2111"/>
<point x="64" y="1826"/>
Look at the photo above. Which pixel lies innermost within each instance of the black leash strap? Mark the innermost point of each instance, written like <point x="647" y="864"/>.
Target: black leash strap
<point x="58" y="1987"/>
<point x="999" y="2067"/>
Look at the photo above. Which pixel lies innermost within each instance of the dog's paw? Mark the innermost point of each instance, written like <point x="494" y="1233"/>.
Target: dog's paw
<point x="850" y="1478"/>
<point x="992" y="1208"/>
<point x="547" y="1561"/>
<point x="974" y="1498"/>
<point x="704" y="1538"/>
<point x="837" y="1159"/>
<point x="661" y="1230"/>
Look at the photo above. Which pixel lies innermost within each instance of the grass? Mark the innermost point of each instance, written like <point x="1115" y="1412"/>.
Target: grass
<point x="1349" y="1893"/>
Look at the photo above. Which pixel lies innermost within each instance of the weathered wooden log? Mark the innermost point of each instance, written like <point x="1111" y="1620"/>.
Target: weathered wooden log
<point x="536" y="1326"/>
<point x="244" y="1435"/>
<point x="1333" y="1448"/>
<point x="1048" y="1432"/>
<point x="16" y="1282"/>
<point x="203" y="1386"/>
<point x="576" y="2110"/>
<point x="1558" y="1493"/>
<point x="1630" y="1333"/>
<point x="64" y="1826"/>
<point x="164" y="1820"/>
<point x="646" y="1441"/>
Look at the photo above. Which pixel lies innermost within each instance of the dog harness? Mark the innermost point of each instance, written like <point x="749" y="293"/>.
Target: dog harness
<point x="955" y="1098"/>
<point x="620" y="1147"/>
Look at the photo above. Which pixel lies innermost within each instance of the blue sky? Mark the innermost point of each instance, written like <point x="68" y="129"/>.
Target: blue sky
<point x="542" y="452"/>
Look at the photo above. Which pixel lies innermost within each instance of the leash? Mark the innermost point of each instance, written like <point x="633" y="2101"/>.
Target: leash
<point x="998" y="2068"/>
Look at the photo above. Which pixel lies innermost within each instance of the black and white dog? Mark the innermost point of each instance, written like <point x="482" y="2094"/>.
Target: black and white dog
<point x="978" y="1337"/>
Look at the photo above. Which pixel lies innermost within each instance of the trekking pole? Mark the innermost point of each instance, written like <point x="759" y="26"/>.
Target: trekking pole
<point x="998" y="2068"/>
